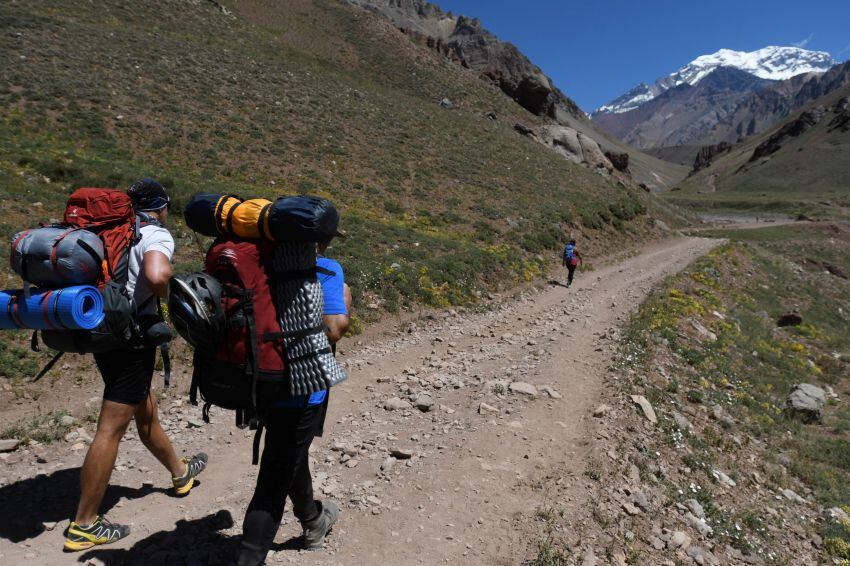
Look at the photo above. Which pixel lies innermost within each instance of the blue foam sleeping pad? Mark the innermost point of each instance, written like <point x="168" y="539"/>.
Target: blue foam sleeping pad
<point x="71" y="308"/>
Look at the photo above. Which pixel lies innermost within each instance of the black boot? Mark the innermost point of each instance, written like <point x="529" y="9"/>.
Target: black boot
<point x="316" y="529"/>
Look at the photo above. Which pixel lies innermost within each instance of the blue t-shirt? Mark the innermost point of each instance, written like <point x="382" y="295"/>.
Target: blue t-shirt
<point x="332" y="286"/>
<point x="332" y="289"/>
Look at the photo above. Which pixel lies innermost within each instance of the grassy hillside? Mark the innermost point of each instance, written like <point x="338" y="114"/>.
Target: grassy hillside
<point x="808" y="175"/>
<point x="267" y="99"/>
<point x="302" y="96"/>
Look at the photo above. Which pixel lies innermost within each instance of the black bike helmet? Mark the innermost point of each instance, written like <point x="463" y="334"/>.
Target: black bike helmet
<point x="194" y="305"/>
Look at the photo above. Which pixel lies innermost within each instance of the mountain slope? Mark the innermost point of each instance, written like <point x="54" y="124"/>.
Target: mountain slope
<point x="465" y="42"/>
<point x="799" y="165"/>
<point x="684" y="114"/>
<point x="306" y="96"/>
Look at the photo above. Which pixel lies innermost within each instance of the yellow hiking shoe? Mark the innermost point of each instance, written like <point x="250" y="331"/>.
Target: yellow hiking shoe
<point x="194" y="466"/>
<point x="101" y="531"/>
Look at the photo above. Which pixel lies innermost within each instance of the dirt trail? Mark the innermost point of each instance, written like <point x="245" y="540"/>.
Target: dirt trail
<point x="476" y="477"/>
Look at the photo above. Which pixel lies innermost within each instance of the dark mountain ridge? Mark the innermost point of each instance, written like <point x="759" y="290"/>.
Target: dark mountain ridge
<point x="464" y="40"/>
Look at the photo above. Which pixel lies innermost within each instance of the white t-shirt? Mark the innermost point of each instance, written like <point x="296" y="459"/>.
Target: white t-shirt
<point x="154" y="238"/>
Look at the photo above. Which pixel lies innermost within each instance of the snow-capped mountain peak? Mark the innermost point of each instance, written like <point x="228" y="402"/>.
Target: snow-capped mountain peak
<point x="772" y="63"/>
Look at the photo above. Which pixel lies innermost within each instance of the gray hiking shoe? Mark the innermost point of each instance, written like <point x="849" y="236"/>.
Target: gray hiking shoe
<point x="316" y="530"/>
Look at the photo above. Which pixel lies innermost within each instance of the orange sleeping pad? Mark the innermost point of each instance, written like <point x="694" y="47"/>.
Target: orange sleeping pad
<point x="246" y="219"/>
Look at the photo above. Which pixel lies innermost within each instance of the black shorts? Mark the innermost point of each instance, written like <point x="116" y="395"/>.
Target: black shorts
<point x="127" y="374"/>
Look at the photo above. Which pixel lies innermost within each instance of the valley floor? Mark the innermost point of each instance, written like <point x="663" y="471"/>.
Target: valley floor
<point x="486" y="458"/>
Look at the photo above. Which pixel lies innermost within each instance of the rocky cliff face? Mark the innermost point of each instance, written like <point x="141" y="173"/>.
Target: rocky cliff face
<point x="786" y="133"/>
<point x="707" y="154"/>
<point x="465" y="41"/>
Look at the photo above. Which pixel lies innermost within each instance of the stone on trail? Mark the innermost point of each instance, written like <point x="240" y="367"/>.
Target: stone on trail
<point x="695" y="508"/>
<point x="723" y="479"/>
<point x="792" y="496"/>
<point x="523" y="387"/>
<point x="699" y="524"/>
<point x="67" y="420"/>
<point x="682" y="421"/>
<point x="601" y="411"/>
<point x="805" y="403"/>
<point x="702" y="331"/>
<point x="679" y="540"/>
<point x="401" y="453"/>
<point x="589" y="558"/>
<point x="551" y="392"/>
<point x="9" y="444"/>
<point x="702" y="556"/>
<point x="484" y="408"/>
<point x="396" y="404"/>
<point x="424" y="402"/>
<point x="646" y="407"/>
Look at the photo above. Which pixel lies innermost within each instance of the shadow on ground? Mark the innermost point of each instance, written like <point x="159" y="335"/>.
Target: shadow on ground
<point x="50" y="498"/>
<point x="195" y="542"/>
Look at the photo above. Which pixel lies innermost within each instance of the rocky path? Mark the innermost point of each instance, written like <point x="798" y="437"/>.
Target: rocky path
<point x="447" y="441"/>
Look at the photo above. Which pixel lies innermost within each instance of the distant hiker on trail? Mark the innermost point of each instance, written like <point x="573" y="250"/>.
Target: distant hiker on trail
<point x="291" y="426"/>
<point x="571" y="260"/>
<point x="127" y="373"/>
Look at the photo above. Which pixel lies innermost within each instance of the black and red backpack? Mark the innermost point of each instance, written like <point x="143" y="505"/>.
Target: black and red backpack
<point x="250" y="348"/>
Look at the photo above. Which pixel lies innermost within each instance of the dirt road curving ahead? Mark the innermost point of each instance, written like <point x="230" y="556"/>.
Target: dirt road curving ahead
<point x="447" y="441"/>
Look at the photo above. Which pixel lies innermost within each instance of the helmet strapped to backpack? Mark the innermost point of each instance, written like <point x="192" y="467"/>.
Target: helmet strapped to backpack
<point x="194" y="305"/>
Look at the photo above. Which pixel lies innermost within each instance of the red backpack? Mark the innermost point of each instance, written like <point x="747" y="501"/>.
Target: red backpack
<point x="251" y="349"/>
<point x="109" y="214"/>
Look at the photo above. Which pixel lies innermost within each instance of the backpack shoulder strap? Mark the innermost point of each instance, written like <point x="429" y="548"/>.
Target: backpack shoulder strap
<point x="145" y="219"/>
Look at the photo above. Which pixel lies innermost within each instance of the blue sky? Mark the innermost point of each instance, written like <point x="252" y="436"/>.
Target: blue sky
<point x="596" y="50"/>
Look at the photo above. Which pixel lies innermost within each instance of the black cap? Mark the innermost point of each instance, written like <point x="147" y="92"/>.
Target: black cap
<point x="148" y="195"/>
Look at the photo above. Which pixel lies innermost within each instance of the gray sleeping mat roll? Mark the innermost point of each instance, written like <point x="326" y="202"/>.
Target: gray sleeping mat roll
<point x="311" y="364"/>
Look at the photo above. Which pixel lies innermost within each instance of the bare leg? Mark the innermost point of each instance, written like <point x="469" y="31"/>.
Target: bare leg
<point x="155" y="439"/>
<point x="100" y="459"/>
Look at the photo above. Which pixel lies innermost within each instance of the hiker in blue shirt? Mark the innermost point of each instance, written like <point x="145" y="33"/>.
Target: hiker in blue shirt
<point x="571" y="260"/>
<point x="284" y="470"/>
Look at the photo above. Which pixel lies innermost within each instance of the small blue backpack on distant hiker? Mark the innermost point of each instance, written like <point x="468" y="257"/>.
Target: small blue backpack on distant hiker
<point x="570" y="255"/>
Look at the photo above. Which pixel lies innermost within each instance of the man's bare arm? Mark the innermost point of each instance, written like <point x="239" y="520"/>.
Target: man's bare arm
<point x="337" y="324"/>
<point x="157" y="270"/>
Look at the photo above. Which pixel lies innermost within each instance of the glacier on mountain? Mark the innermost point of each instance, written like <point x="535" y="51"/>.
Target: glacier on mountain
<point x="772" y="63"/>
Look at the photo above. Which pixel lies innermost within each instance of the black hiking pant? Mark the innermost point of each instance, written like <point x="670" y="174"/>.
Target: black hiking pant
<point x="284" y="472"/>
<point x="571" y="270"/>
